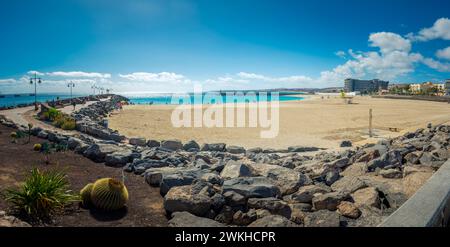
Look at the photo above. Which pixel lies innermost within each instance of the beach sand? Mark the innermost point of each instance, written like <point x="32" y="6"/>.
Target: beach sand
<point x="312" y="122"/>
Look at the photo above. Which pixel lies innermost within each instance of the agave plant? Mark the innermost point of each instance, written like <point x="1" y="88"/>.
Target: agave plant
<point x="41" y="195"/>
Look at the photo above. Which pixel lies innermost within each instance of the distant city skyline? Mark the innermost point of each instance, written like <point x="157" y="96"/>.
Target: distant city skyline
<point x="141" y="46"/>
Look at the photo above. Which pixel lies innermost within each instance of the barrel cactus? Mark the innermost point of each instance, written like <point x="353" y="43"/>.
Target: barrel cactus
<point x="109" y="194"/>
<point x="37" y="147"/>
<point x="85" y="195"/>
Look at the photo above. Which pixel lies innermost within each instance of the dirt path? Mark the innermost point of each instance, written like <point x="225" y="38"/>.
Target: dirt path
<point x="145" y="207"/>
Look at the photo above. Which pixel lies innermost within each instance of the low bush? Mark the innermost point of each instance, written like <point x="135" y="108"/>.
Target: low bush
<point x="68" y="124"/>
<point x="59" y="119"/>
<point x="41" y="195"/>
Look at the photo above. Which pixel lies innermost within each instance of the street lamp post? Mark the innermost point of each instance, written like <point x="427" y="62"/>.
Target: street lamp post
<point x="71" y="85"/>
<point x="94" y="87"/>
<point x="35" y="80"/>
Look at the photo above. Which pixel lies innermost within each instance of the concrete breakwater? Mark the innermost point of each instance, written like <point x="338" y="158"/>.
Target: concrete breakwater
<point x="218" y="185"/>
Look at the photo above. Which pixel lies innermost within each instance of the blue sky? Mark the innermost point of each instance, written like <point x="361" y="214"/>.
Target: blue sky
<point x="166" y="46"/>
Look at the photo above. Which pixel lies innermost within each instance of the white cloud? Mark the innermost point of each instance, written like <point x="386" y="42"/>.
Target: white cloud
<point x="7" y="81"/>
<point x="389" y="42"/>
<point x="442" y="67"/>
<point x="340" y="54"/>
<point x="439" y="30"/>
<point x="392" y="60"/>
<point x="154" y="77"/>
<point x="292" y="79"/>
<point x="79" y="74"/>
<point x="443" y="53"/>
<point x="33" y="72"/>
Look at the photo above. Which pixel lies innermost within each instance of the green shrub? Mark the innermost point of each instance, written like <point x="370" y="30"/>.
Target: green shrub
<point x="68" y="124"/>
<point x="52" y="114"/>
<point x="41" y="195"/>
<point x="59" y="119"/>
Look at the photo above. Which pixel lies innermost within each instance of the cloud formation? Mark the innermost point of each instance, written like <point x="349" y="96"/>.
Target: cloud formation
<point x="439" y="30"/>
<point x="443" y="53"/>
<point x="389" y="56"/>
<point x="154" y="77"/>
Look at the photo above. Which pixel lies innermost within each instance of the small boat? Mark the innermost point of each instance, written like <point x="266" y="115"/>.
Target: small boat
<point x="31" y="94"/>
<point x="17" y="95"/>
<point x="2" y="96"/>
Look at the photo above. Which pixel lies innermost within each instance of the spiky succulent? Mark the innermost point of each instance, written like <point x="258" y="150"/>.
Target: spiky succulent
<point x="85" y="195"/>
<point x="37" y="147"/>
<point x="109" y="194"/>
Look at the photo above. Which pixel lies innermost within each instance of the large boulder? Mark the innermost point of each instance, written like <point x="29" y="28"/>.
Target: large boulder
<point x="328" y="201"/>
<point x="273" y="221"/>
<point x="234" y="169"/>
<point x="349" y="210"/>
<point x="182" y="198"/>
<point x="154" y="176"/>
<point x="306" y="193"/>
<point x="73" y="143"/>
<point x="235" y="150"/>
<point x="219" y="147"/>
<point x="346" y="143"/>
<point x="287" y="179"/>
<point x="367" y="197"/>
<point x="174" y="180"/>
<point x="391" y="158"/>
<point x="348" y="184"/>
<point x="248" y="187"/>
<point x="391" y="173"/>
<point x="322" y="218"/>
<point x="234" y="199"/>
<point x="172" y="145"/>
<point x="185" y="219"/>
<point x="273" y="205"/>
<point x="299" y="149"/>
<point x="191" y="145"/>
<point x="153" y="143"/>
<point x="138" y="141"/>
<point x="98" y="152"/>
<point x="242" y="219"/>
<point x="119" y="158"/>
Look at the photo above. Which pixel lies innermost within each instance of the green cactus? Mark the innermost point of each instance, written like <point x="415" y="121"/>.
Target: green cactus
<point x="109" y="194"/>
<point x="37" y="147"/>
<point x="85" y="195"/>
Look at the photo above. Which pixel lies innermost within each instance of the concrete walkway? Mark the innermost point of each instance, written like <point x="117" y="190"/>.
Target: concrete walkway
<point x="25" y="115"/>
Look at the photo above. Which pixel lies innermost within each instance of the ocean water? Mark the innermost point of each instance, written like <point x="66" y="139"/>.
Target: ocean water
<point x="153" y="98"/>
<point x="13" y="100"/>
<point x="163" y="99"/>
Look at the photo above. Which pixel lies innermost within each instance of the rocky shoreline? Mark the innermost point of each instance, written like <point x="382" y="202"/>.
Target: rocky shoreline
<point x="220" y="185"/>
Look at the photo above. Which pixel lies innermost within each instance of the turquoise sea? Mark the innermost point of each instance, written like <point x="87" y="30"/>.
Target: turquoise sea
<point x="17" y="99"/>
<point x="160" y="99"/>
<point x="157" y="99"/>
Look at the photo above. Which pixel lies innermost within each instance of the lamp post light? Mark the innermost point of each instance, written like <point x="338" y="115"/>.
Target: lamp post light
<point x="93" y="88"/>
<point x="71" y="85"/>
<point x="36" y="81"/>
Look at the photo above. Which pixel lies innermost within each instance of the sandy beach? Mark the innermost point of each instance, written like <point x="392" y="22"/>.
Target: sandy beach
<point x="311" y="122"/>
